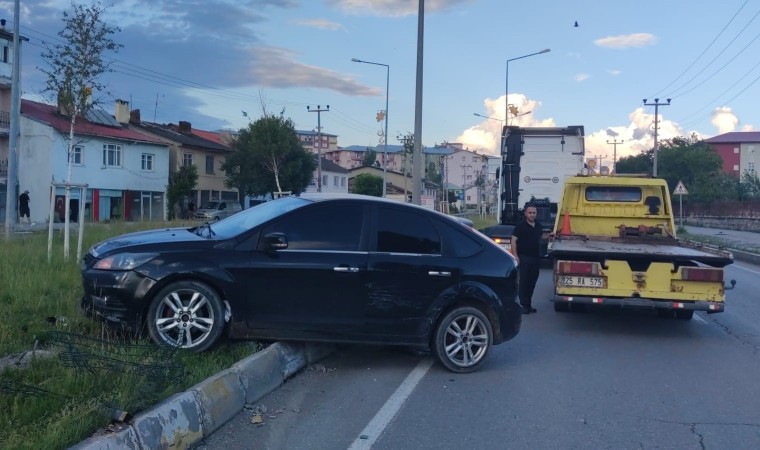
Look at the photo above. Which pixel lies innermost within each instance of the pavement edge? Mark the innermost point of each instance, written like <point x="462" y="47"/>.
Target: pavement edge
<point x="188" y="417"/>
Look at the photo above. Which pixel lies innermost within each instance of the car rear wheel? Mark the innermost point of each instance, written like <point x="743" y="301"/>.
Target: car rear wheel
<point x="186" y="314"/>
<point x="463" y="339"/>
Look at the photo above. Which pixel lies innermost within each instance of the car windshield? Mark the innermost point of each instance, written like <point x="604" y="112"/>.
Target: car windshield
<point x="252" y="217"/>
<point x="211" y="205"/>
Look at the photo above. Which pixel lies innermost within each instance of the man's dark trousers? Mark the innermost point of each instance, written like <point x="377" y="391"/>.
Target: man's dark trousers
<point x="529" y="270"/>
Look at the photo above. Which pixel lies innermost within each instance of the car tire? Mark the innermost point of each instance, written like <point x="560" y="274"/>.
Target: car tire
<point x="186" y="314"/>
<point x="463" y="339"/>
<point x="684" y="314"/>
<point x="561" y="307"/>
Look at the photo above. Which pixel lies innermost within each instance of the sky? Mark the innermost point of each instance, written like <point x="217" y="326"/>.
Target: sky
<point x="220" y="63"/>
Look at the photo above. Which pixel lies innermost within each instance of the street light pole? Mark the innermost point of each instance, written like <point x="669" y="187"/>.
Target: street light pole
<point x="385" y="136"/>
<point x="506" y="84"/>
<point x="319" y="112"/>
<point x="656" y="105"/>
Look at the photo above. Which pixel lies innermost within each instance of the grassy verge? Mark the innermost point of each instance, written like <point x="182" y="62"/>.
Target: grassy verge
<point x="49" y="405"/>
<point x="727" y="243"/>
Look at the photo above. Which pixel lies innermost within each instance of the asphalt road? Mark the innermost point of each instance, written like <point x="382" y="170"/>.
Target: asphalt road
<point x="601" y="379"/>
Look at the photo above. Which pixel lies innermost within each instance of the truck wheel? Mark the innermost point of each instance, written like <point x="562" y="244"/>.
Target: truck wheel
<point x="684" y="314"/>
<point x="561" y="307"/>
<point x="463" y="339"/>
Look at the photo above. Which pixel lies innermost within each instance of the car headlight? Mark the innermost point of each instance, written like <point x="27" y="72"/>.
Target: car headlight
<point x="124" y="261"/>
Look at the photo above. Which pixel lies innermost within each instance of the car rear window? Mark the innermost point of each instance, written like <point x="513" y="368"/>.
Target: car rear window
<point x="629" y="194"/>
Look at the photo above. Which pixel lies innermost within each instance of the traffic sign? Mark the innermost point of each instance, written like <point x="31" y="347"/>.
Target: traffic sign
<point x="680" y="189"/>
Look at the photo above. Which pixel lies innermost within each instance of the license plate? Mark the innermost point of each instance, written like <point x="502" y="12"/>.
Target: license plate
<point x="590" y="282"/>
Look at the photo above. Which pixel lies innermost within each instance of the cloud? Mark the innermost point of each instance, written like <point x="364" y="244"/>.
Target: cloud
<point x="614" y="72"/>
<point x="275" y="67"/>
<point x="486" y="136"/>
<point x="322" y="24"/>
<point x="581" y="77"/>
<point x="724" y="120"/>
<point x="392" y="8"/>
<point x="627" y="40"/>
<point x="748" y="127"/>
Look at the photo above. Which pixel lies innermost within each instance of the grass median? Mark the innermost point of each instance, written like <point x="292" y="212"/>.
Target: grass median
<point x="48" y="401"/>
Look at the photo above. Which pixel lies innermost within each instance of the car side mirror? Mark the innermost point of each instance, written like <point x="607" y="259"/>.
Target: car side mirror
<point x="275" y="241"/>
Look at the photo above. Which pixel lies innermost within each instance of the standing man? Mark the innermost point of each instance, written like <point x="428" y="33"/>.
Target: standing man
<point x="23" y="206"/>
<point x="526" y="244"/>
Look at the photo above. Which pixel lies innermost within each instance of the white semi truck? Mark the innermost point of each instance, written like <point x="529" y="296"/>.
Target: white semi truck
<point x="535" y="161"/>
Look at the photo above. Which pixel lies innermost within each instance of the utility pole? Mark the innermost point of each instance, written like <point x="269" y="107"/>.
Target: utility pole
<point x="656" y="105"/>
<point x="12" y="180"/>
<point x="319" y="112"/>
<point x="417" y="162"/>
<point x="614" y="153"/>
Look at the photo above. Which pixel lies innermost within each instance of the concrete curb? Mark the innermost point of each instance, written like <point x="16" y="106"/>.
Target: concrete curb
<point x="186" y="418"/>
<point x="743" y="256"/>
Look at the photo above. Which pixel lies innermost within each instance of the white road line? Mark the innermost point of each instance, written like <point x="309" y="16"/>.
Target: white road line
<point x="388" y="412"/>
<point x="744" y="268"/>
<point x="700" y="320"/>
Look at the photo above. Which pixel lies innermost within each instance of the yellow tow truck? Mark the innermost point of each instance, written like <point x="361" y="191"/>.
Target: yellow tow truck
<point x="615" y="244"/>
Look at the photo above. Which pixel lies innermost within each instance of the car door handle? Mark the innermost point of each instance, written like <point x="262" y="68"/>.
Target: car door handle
<point x="436" y="273"/>
<point x="346" y="269"/>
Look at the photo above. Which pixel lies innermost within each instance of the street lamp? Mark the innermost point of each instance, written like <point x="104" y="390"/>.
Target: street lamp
<point x="506" y="88"/>
<point x="518" y="115"/>
<point x="385" y="137"/>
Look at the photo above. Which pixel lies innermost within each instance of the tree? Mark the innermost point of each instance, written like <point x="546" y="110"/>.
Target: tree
<point x="368" y="184"/>
<point x="641" y="163"/>
<point x="268" y="157"/>
<point x="75" y="66"/>
<point x="693" y="162"/>
<point x="750" y="184"/>
<point x="181" y="184"/>
<point x="370" y="157"/>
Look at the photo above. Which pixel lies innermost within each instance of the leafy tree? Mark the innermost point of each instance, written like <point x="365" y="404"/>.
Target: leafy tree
<point x="368" y="184"/>
<point x="433" y="174"/>
<point x="268" y="157"/>
<point x="370" y="157"/>
<point x="750" y="184"/>
<point x="76" y="63"/>
<point x="641" y="163"/>
<point x="694" y="163"/>
<point x="181" y="183"/>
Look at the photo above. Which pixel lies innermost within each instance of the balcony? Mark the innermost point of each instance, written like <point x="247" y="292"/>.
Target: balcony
<point x="5" y="123"/>
<point x="4" y="168"/>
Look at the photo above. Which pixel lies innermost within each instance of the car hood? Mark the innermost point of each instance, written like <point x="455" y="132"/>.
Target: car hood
<point x="167" y="235"/>
<point x="206" y="210"/>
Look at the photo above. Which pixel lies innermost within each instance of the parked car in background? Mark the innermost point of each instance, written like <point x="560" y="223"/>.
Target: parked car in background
<point x="321" y="267"/>
<point x="218" y="210"/>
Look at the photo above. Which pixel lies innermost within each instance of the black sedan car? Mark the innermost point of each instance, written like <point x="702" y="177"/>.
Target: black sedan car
<point x="321" y="267"/>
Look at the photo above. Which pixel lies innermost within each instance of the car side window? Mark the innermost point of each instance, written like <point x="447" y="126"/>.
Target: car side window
<point x="401" y="231"/>
<point x="222" y="206"/>
<point x="329" y="227"/>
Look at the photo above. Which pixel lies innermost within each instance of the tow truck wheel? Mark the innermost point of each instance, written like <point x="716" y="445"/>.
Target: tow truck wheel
<point x="561" y="307"/>
<point x="684" y="314"/>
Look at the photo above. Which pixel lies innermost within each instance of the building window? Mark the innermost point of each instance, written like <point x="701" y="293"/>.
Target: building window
<point x="187" y="159"/>
<point x="335" y="181"/>
<point x="324" y="181"/>
<point x="5" y="53"/>
<point x="736" y="168"/>
<point x="76" y="155"/>
<point x="343" y="182"/>
<point x="736" y="149"/>
<point x="147" y="162"/>
<point x="752" y="167"/>
<point x="112" y="155"/>
<point x="209" y="164"/>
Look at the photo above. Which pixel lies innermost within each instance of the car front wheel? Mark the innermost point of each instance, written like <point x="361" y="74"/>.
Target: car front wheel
<point x="186" y="314"/>
<point x="463" y="339"/>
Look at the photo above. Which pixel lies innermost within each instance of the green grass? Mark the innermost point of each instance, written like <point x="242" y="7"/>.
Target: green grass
<point x="75" y="403"/>
<point x="727" y="243"/>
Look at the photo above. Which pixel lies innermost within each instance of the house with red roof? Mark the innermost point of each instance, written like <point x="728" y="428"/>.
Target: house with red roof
<point x="740" y="151"/>
<point x="126" y="171"/>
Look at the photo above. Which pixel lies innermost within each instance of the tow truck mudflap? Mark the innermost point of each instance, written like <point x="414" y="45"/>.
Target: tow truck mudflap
<point x="640" y="303"/>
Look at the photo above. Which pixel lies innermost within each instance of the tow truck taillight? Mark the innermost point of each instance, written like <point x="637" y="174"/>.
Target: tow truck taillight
<point x="701" y="274"/>
<point x="577" y="268"/>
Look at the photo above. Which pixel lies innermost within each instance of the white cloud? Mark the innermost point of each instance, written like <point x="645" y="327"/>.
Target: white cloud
<point x="581" y="77"/>
<point x="393" y="8"/>
<point x="748" y="127"/>
<point x="486" y="136"/>
<point x="614" y="72"/>
<point x="322" y="24"/>
<point x="627" y="40"/>
<point x="724" y="120"/>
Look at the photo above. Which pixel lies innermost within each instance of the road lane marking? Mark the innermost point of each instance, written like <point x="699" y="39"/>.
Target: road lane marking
<point x="387" y="413"/>
<point x="744" y="268"/>
<point x="700" y="320"/>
